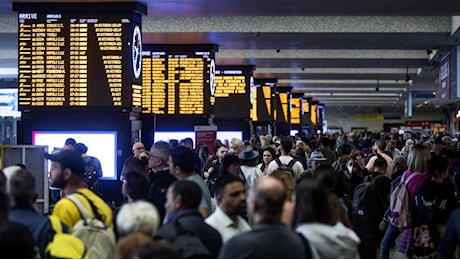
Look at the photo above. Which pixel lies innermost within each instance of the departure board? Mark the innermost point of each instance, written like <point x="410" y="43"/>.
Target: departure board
<point x="232" y="95"/>
<point x="177" y="79"/>
<point x="83" y="55"/>
<point x="282" y="101"/>
<point x="296" y="108"/>
<point x="262" y="103"/>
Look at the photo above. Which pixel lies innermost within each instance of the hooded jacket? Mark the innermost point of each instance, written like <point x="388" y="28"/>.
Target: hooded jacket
<point x="328" y="241"/>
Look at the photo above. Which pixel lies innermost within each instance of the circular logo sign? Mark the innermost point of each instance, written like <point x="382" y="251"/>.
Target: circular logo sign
<point x="137" y="52"/>
<point x="212" y="74"/>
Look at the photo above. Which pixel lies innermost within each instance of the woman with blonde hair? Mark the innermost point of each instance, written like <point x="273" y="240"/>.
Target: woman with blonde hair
<point x="414" y="176"/>
<point x="236" y="146"/>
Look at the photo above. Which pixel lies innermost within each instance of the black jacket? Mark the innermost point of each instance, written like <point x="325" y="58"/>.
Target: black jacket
<point x="159" y="183"/>
<point x="266" y="240"/>
<point x="192" y="221"/>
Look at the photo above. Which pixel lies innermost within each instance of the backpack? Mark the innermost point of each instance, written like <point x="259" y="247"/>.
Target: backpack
<point x="189" y="244"/>
<point x="98" y="238"/>
<point x="91" y="175"/>
<point x="63" y="245"/>
<point x="286" y="167"/>
<point x="367" y="199"/>
<point x="400" y="204"/>
<point x="425" y="233"/>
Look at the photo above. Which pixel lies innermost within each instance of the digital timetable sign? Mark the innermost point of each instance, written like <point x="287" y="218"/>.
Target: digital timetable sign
<point x="232" y="94"/>
<point x="281" y="104"/>
<point x="79" y="55"/>
<point x="263" y="100"/>
<point x="176" y="79"/>
<point x="296" y="108"/>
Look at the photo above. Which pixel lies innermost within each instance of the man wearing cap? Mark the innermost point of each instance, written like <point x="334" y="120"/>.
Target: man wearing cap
<point x="249" y="161"/>
<point x="67" y="173"/>
<point x="285" y="150"/>
<point x="316" y="159"/>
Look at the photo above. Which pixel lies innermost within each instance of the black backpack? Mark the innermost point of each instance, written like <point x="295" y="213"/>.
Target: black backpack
<point x="91" y="175"/>
<point x="189" y="244"/>
<point x="286" y="167"/>
<point x="367" y="200"/>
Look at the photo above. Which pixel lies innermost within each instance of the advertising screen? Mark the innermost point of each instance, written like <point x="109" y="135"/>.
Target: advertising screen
<point x="102" y="145"/>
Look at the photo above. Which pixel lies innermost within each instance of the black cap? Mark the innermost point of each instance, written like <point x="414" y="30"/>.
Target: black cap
<point x="69" y="159"/>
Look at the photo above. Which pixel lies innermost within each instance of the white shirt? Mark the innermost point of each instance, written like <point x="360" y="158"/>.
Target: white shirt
<point x="297" y="168"/>
<point x="251" y="173"/>
<point x="227" y="229"/>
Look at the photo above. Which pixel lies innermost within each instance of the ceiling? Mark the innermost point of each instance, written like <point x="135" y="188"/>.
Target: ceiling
<point x="338" y="52"/>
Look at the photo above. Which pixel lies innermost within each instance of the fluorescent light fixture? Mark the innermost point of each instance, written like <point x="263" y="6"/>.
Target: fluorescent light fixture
<point x="8" y="71"/>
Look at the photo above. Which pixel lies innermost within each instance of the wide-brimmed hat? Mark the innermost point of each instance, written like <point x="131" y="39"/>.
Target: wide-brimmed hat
<point x="248" y="153"/>
<point x="317" y="155"/>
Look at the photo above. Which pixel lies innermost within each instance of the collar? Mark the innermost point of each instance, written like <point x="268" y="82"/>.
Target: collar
<point x="166" y="168"/>
<point x="23" y="207"/>
<point x="225" y="220"/>
<point x="264" y="224"/>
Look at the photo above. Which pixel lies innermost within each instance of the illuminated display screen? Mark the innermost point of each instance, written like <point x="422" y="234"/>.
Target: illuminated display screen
<point x="71" y="58"/>
<point x="107" y="153"/>
<point x="179" y="135"/>
<point x="306" y="107"/>
<point x="232" y="86"/>
<point x="313" y="114"/>
<point x="282" y="100"/>
<point x="296" y="110"/>
<point x="263" y="96"/>
<point x="176" y="79"/>
<point x="281" y="112"/>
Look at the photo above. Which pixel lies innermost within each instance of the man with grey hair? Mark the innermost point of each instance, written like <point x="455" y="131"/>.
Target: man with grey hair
<point x="160" y="178"/>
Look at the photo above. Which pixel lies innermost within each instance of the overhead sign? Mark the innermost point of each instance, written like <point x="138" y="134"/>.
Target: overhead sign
<point x="232" y="86"/>
<point x="79" y="56"/>
<point x="176" y="79"/>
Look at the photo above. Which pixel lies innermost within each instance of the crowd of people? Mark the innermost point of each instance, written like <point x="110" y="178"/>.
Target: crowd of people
<point x="303" y="196"/>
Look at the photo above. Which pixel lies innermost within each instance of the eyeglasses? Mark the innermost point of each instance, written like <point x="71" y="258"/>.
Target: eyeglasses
<point x="153" y="156"/>
<point x="139" y="148"/>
